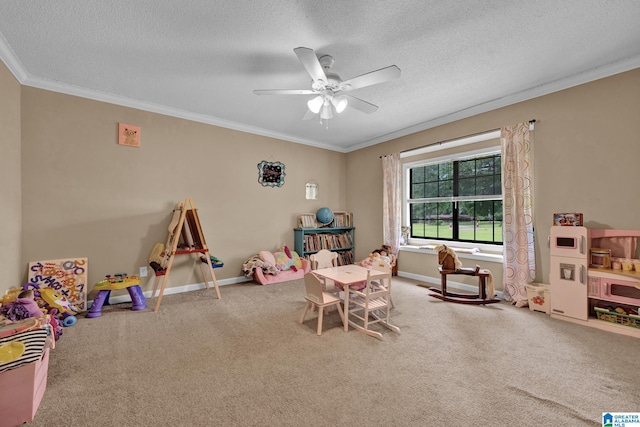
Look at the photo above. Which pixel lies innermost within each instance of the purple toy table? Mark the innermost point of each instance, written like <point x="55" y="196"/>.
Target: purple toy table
<point x="132" y="284"/>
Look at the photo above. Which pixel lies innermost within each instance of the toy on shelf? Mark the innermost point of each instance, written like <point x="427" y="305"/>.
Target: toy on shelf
<point x="570" y="219"/>
<point x="118" y="281"/>
<point x="156" y="257"/>
<point x="215" y="262"/>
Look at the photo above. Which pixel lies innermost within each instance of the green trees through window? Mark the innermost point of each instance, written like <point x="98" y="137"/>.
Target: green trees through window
<point x="457" y="200"/>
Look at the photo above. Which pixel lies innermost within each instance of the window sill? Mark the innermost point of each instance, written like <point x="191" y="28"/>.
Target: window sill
<point x="476" y="255"/>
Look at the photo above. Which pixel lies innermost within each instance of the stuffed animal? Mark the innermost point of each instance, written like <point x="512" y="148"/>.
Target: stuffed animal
<point x="371" y="259"/>
<point x="28" y="301"/>
<point x="386" y="255"/>
<point x="24" y="307"/>
<point x="10" y="296"/>
<point x="404" y="239"/>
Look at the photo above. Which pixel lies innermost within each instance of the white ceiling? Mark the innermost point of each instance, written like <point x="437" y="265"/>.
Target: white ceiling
<point x="201" y="59"/>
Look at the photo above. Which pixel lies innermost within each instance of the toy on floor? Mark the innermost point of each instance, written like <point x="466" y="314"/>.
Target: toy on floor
<point x="56" y="300"/>
<point x="119" y="281"/>
<point x="50" y="300"/>
<point x="450" y="264"/>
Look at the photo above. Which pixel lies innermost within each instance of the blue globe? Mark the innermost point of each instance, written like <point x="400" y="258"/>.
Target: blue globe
<point x="324" y="216"/>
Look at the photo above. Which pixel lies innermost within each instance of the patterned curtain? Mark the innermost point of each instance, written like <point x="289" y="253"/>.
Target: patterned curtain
<point x="391" y="201"/>
<point x="519" y="266"/>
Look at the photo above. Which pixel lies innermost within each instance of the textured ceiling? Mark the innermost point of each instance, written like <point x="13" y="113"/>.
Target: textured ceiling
<point x="201" y="59"/>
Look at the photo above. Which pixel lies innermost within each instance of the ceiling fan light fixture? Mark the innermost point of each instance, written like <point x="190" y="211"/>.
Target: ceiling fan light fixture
<point x="315" y="104"/>
<point x="340" y="103"/>
<point x="326" y="112"/>
<point x="326" y="84"/>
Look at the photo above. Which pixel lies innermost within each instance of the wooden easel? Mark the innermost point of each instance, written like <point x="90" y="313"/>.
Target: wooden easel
<point x="185" y="224"/>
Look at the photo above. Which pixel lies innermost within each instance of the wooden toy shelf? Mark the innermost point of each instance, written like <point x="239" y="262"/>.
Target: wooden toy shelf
<point x="308" y="241"/>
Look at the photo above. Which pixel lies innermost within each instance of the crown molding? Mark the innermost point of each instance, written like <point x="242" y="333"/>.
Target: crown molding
<point x="535" y="92"/>
<point x="12" y="62"/>
<point x="16" y="67"/>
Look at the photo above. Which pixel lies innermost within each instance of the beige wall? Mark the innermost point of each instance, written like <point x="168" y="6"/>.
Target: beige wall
<point x="586" y="159"/>
<point x="86" y="196"/>
<point x="10" y="192"/>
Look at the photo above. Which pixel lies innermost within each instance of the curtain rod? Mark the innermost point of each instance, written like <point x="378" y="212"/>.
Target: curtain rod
<point x="455" y="139"/>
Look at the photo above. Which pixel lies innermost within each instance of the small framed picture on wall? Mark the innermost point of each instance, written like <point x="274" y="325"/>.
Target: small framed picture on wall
<point x="271" y="174"/>
<point x="128" y="135"/>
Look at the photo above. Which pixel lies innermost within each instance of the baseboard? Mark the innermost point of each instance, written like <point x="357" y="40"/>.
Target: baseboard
<point x="119" y="299"/>
<point x="450" y="284"/>
<point x="233" y="280"/>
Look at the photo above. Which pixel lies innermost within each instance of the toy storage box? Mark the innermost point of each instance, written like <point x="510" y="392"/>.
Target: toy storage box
<point x="21" y="391"/>
<point x="538" y="295"/>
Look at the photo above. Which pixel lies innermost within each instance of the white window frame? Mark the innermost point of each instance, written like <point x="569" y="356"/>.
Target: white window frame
<point x="407" y="165"/>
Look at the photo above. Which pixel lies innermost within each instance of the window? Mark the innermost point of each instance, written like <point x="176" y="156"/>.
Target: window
<point x="457" y="199"/>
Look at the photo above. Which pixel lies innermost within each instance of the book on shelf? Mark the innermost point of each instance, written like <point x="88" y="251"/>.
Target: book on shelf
<point x="342" y="219"/>
<point x="315" y="242"/>
<point x="345" y="257"/>
<point x="307" y="220"/>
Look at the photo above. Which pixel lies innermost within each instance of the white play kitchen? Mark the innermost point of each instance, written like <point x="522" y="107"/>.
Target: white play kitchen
<point x="595" y="277"/>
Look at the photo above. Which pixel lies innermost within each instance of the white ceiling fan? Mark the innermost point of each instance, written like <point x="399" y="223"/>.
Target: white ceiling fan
<point x="328" y="86"/>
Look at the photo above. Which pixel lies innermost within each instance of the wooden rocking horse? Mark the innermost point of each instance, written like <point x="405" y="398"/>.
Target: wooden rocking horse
<point x="450" y="264"/>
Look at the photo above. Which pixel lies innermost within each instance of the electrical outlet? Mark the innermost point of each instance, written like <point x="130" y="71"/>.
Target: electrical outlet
<point x="143" y="271"/>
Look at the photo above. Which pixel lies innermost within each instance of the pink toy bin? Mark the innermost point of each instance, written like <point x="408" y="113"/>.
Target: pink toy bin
<point x="21" y="391"/>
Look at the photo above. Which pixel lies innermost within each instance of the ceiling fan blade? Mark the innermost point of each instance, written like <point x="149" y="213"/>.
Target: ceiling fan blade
<point x="284" y="92"/>
<point x="310" y="62"/>
<point x="374" y="77"/>
<point x="359" y="104"/>
<point x="308" y="115"/>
